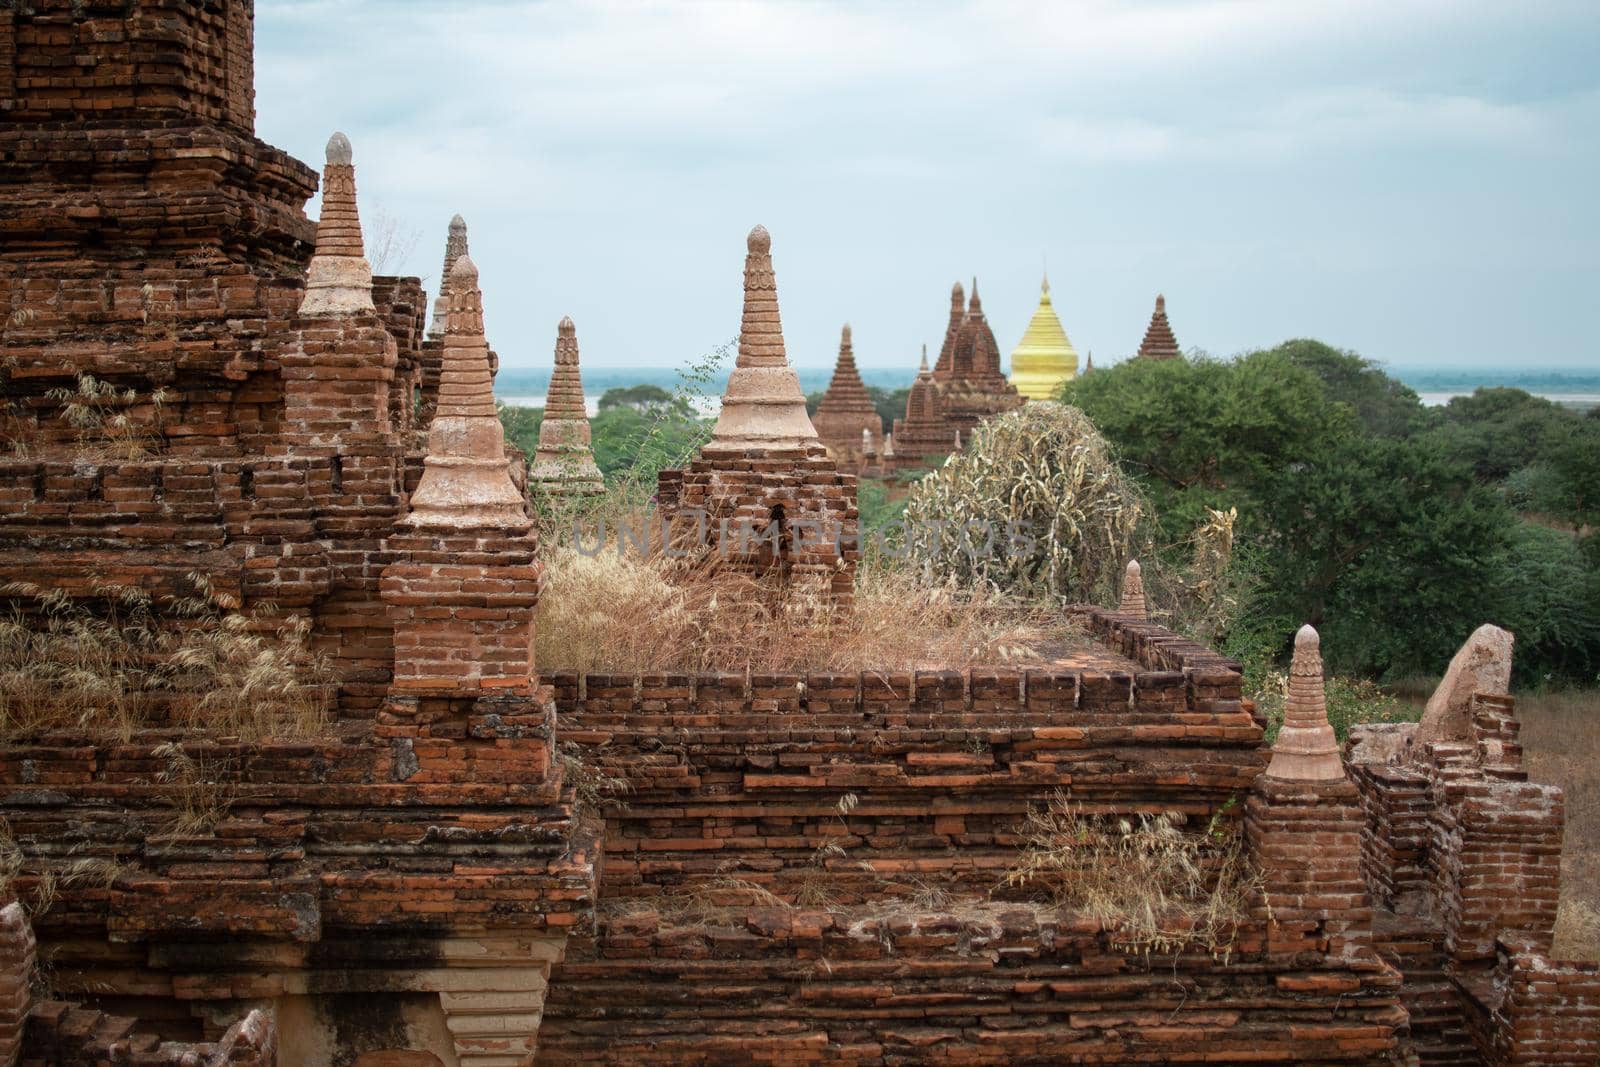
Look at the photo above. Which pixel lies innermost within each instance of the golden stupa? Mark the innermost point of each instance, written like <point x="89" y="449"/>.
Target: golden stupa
<point x="1044" y="358"/>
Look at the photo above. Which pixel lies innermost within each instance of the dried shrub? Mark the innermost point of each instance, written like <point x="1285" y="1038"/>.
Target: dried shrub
<point x="122" y="660"/>
<point x="594" y="790"/>
<point x="1042" y="472"/>
<point x="626" y="612"/>
<point x="112" y="424"/>
<point x="1150" y="883"/>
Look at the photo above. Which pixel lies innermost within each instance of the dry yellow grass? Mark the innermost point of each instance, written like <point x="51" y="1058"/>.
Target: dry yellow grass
<point x="1561" y="736"/>
<point x="622" y="613"/>
<point x="123" y="660"/>
<point x="1149" y="882"/>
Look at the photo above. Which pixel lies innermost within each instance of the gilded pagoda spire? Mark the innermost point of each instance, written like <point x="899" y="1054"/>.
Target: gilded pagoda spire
<point x="1044" y="359"/>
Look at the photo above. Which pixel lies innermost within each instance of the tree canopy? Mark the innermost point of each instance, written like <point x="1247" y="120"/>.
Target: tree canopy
<point x="1393" y="528"/>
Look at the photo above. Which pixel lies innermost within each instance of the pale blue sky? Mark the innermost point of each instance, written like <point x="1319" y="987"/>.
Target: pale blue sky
<point x="1414" y="180"/>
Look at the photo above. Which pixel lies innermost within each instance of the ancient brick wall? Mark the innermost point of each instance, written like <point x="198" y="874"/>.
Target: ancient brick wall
<point x="734" y="790"/>
<point x="1462" y="855"/>
<point x="112" y="59"/>
<point x="1534" y="1010"/>
<point x="17" y="954"/>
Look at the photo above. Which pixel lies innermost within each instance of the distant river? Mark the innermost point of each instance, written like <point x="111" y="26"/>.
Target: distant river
<point x="1575" y="401"/>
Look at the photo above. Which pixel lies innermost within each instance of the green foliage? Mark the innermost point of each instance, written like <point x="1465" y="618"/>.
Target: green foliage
<point x="1202" y="434"/>
<point x="890" y="403"/>
<point x="877" y="511"/>
<point x="1383" y="405"/>
<point x="639" y="397"/>
<point x="1351" y="701"/>
<point x="521" y="427"/>
<point x="1369" y="536"/>
<point x="1361" y="512"/>
<point x="1500" y="431"/>
<point x="1548" y="594"/>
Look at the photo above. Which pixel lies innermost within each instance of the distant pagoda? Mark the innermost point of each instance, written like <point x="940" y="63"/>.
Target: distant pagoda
<point x="924" y="435"/>
<point x="972" y="386"/>
<point x="1159" y="343"/>
<point x="846" y="412"/>
<point x="1044" y="359"/>
<point x="564" y="464"/>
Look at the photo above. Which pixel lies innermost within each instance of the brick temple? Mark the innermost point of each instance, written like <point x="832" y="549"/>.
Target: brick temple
<point x="421" y="886"/>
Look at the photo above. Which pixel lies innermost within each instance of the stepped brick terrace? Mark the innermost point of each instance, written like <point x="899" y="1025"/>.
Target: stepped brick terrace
<point x="468" y="862"/>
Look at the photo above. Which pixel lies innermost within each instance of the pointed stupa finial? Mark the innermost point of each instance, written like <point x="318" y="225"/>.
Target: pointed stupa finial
<point x="466" y="479"/>
<point x="923" y="369"/>
<point x="1044" y="284"/>
<point x="1306" y="748"/>
<point x="339" y="279"/>
<point x="844" y="336"/>
<point x="1133" y="602"/>
<point x="973" y="303"/>
<point x="958" y="296"/>
<point x="762" y="407"/>
<point x="1161" y="302"/>
<point x="455" y="246"/>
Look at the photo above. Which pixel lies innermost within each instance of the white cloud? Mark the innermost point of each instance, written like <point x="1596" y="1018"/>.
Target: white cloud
<point x="590" y="140"/>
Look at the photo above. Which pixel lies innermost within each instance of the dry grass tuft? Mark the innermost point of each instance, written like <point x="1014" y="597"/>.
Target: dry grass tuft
<point x="622" y="613"/>
<point x="123" y="660"/>
<point x="1561" y="742"/>
<point x="1151" y="885"/>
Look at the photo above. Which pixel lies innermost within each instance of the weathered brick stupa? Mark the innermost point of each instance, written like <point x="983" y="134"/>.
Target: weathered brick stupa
<point x="846" y="412"/>
<point x="402" y="879"/>
<point x="924" y="435"/>
<point x="431" y="350"/>
<point x="564" y="465"/>
<point x="1044" y="359"/>
<point x="763" y="493"/>
<point x="1159" y="343"/>
<point x="971" y="386"/>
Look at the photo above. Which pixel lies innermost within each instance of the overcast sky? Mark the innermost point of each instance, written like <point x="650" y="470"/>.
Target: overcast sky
<point x="1413" y="180"/>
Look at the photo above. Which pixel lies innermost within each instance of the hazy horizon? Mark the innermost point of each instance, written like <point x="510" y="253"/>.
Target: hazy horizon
<point x="1407" y="179"/>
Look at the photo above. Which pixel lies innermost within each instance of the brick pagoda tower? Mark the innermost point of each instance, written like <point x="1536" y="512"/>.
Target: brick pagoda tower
<point x="764" y="485"/>
<point x="1159" y="343"/>
<point x="564" y="465"/>
<point x="924" y="435"/>
<point x="846" y="411"/>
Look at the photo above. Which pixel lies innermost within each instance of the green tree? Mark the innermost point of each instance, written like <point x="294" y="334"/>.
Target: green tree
<point x="638" y="397"/>
<point x="1501" y="431"/>
<point x="1388" y="546"/>
<point x="1207" y="434"/>
<point x="521" y="427"/>
<point x="1384" y="405"/>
